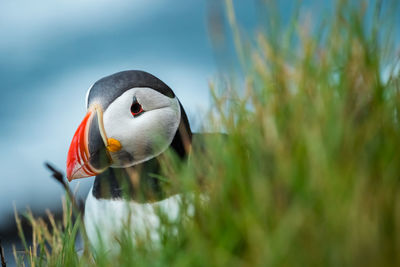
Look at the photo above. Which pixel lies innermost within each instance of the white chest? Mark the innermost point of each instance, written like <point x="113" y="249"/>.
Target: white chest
<point x="105" y="219"/>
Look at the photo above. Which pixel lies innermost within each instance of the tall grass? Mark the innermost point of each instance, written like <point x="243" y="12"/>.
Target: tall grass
<point x="310" y="172"/>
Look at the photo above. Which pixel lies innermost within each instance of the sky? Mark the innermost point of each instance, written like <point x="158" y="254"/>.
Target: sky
<point x="51" y="52"/>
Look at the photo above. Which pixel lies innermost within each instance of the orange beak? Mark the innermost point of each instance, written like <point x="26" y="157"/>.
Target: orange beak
<point x="88" y="154"/>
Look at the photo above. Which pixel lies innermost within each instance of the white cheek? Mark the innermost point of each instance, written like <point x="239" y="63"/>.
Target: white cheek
<point x="151" y="133"/>
<point x="144" y="136"/>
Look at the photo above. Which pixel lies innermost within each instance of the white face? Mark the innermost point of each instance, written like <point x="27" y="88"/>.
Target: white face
<point x="146" y="135"/>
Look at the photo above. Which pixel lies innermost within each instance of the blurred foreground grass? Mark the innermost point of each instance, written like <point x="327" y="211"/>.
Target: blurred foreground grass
<point x="310" y="173"/>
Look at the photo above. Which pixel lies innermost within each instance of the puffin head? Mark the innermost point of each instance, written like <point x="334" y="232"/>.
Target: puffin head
<point x="132" y="116"/>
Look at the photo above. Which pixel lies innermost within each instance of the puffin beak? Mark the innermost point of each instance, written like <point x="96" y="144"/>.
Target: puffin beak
<point x="88" y="153"/>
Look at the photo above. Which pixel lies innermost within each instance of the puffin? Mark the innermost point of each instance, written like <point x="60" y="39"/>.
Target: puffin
<point x="133" y="118"/>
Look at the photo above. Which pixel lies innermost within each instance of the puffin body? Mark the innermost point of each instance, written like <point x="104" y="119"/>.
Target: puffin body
<point x="105" y="219"/>
<point x="132" y="119"/>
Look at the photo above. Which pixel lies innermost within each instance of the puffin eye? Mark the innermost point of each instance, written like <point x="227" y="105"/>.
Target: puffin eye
<point x="136" y="109"/>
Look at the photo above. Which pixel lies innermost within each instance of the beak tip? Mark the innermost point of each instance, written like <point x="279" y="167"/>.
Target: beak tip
<point x="69" y="175"/>
<point x="71" y="172"/>
<point x="76" y="170"/>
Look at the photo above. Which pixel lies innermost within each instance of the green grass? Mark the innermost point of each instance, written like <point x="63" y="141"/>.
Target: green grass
<point x="310" y="173"/>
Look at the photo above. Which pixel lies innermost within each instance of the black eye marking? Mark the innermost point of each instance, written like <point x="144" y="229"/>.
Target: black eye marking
<point x="136" y="108"/>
